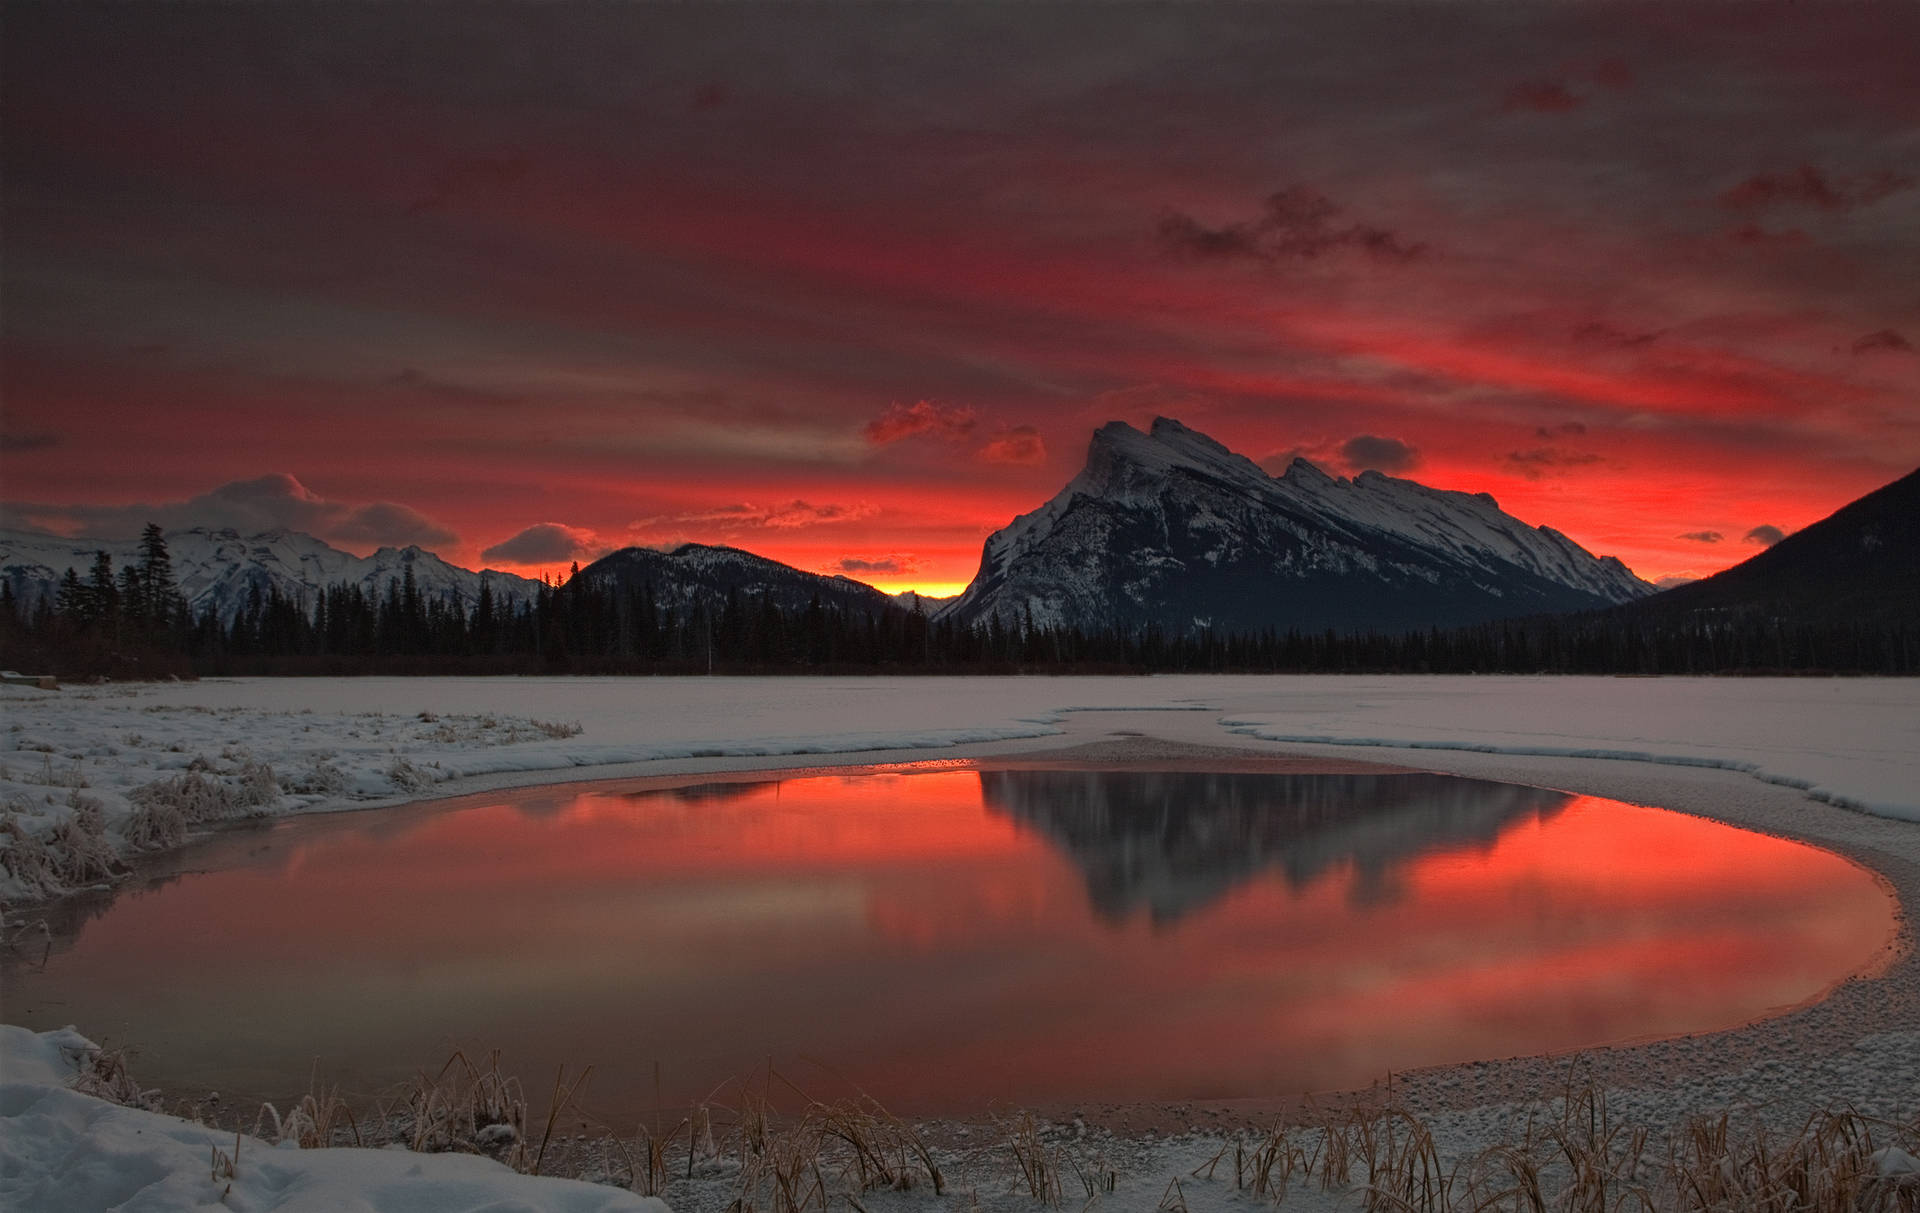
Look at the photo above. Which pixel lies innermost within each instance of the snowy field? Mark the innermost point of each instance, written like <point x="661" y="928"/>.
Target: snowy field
<point x="93" y="774"/>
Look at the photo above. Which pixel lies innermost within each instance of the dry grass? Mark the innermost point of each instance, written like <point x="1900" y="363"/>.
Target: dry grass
<point x="818" y="1157"/>
<point x="1037" y="1169"/>
<point x="1582" y="1159"/>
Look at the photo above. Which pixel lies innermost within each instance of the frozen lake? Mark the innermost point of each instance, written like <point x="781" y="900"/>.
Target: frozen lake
<point x="950" y="938"/>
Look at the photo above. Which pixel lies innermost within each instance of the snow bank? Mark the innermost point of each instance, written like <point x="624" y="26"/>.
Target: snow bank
<point x="91" y="775"/>
<point x="1848" y="742"/>
<point x="62" y="1150"/>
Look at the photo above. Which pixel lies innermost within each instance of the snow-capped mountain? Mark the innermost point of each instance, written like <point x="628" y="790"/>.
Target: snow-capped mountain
<point x="1171" y="528"/>
<point x="220" y="568"/>
<point x="707" y="574"/>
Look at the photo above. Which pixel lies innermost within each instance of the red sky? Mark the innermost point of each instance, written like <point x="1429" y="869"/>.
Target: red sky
<point x="852" y="287"/>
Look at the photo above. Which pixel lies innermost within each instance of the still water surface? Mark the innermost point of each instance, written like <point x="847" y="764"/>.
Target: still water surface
<point x="952" y="939"/>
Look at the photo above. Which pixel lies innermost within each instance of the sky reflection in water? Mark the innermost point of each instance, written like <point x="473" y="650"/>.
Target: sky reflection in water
<point x="955" y="938"/>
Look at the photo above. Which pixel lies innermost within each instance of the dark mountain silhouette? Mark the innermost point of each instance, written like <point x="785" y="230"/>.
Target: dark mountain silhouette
<point x="1860" y="564"/>
<point x="696" y="573"/>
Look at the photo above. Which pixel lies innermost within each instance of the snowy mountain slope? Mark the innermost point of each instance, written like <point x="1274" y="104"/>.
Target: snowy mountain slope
<point x="220" y="568"/>
<point x="706" y="573"/>
<point x="1171" y="528"/>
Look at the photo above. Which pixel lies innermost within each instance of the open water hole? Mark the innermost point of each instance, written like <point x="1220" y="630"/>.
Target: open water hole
<point x="948" y="940"/>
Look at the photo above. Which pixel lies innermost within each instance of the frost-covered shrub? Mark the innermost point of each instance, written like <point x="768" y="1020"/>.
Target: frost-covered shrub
<point x="104" y="1075"/>
<point x="155" y="827"/>
<point x="163" y="808"/>
<point x="559" y="730"/>
<point x="257" y="789"/>
<point x="25" y="857"/>
<point x="407" y="777"/>
<point x="78" y="849"/>
<point x="321" y="778"/>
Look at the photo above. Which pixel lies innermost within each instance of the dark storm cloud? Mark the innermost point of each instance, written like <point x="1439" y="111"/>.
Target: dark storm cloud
<point x="1380" y="454"/>
<point x="1546" y="460"/>
<point x="1298" y="223"/>
<point x="1563" y="430"/>
<point x="265" y="503"/>
<point x="545" y="543"/>
<point x="21" y="443"/>
<point x="1703" y="536"/>
<point x="1765" y="534"/>
<point x="1884" y="341"/>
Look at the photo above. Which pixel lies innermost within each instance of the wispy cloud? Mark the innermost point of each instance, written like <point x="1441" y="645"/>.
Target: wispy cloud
<point x="952" y="422"/>
<point x="1298" y="223"/>
<point x="1808" y="186"/>
<point x="1546" y="460"/>
<point x="1019" y="444"/>
<point x="749" y="516"/>
<point x="1886" y="341"/>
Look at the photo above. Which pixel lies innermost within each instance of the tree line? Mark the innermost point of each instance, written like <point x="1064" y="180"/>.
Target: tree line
<point x="133" y="622"/>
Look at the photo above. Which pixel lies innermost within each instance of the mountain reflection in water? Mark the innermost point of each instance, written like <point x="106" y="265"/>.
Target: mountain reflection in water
<point x="1172" y="842"/>
<point x="946" y="939"/>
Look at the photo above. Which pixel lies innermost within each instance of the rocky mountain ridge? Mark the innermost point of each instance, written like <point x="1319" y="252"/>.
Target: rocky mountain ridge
<point x="1170" y="528"/>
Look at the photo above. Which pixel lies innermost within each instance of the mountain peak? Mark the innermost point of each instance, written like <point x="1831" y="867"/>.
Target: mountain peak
<point x="1122" y="460"/>
<point x="1303" y="473"/>
<point x="1171" y="528"/>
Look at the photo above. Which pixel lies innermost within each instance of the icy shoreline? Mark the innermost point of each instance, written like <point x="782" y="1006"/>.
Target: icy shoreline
<point x="92" y="775"/>
<point x="1853" y="740"/>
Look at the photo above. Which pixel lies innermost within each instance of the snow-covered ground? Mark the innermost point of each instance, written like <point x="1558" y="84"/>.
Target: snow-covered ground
<point x="89" y="775"/>
<point x="64" y="1151"/>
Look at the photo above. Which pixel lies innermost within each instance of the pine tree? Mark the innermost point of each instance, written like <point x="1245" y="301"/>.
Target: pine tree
<point x="104" y="604"/>
<point x="159" y="593"/>
<point x="72" y="601"/>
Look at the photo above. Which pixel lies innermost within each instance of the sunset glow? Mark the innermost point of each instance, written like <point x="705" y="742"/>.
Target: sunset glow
<point x="852" y="288"/>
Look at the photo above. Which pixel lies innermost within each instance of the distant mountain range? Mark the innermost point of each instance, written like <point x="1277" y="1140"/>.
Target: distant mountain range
<point x="1171" y="528"/>
<point x="219" y="569"/>
<point x="695" y="572"/>
<point x="1165" y="528"/>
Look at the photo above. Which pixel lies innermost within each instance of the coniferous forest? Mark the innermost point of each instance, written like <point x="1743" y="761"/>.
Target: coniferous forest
<point x="133" y="622"/>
